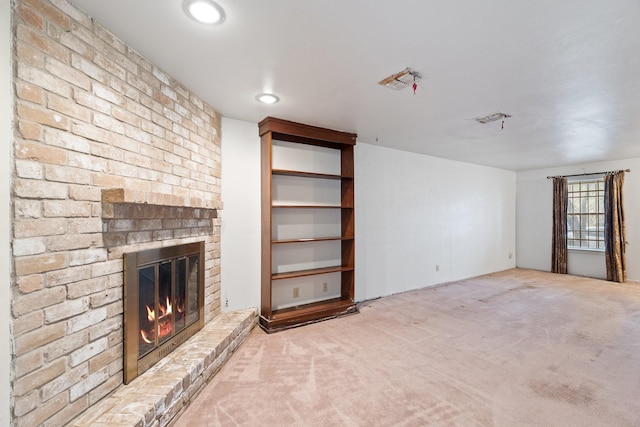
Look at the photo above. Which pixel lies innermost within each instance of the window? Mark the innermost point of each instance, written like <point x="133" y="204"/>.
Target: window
<point x="585" y="214"/>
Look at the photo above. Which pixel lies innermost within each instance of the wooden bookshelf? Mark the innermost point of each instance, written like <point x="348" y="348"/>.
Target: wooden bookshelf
<point x="320" y="220"/>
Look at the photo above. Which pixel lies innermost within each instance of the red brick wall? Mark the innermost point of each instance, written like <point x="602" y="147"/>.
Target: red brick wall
<point x="93" y="115"/>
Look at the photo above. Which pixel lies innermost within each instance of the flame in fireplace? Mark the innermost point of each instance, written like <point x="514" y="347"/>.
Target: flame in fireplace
<point x="151" y="314"/>
<point x="145" y="337"/>
<point x="165" y="326"/>
<point x="165" y="310"/>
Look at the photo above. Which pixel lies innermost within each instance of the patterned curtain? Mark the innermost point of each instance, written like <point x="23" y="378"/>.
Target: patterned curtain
<point x="614" y="231"/>
<point x="559" y="252"/>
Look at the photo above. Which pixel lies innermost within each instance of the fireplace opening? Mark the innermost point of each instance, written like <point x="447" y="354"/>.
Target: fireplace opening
<point x="163" y="303"/>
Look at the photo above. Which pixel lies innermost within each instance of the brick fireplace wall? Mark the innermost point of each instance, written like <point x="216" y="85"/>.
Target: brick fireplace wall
<point x="99" y="132"/>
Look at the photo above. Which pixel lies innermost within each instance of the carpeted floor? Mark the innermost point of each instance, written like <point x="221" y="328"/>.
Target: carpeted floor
<point x="515" y="348"/>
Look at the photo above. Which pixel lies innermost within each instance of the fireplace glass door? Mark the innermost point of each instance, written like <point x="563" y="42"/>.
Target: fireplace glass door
<point x="163" y="303"/>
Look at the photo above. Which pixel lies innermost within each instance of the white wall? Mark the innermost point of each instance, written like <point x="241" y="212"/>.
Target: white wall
<point x="414" y="212"/>
<point x="534" y="219"/>
<point x="240" y="252"/>
<point x="5" y="209"/>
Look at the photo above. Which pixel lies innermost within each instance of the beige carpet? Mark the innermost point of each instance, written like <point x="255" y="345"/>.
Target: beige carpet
<point x="516" y="348"/>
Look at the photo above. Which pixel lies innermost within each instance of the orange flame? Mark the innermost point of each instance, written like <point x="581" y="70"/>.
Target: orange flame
<point x="145" y="337"/>
<point x="151" y="314"/>
<point x="166" y="309"/>
<point x="165" y="325"/>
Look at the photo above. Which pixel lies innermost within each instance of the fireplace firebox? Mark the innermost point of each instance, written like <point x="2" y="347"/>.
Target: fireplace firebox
<point x="163" y="303"/>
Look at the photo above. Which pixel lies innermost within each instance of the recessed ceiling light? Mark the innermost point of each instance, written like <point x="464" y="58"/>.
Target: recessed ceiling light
<point x="204" y="11"/>
<point x="267" y="98"/>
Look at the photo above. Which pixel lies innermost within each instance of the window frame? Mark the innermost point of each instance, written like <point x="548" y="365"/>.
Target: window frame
<point x="593" y="215"/>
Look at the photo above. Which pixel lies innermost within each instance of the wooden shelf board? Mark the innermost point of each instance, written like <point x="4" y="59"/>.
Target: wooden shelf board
<point x="316" y="239"/>
<point x="305" y="174"/>
<point x="307" y="313"/>
<point x="305" y="207"/>
<point x="310" y="272"/>
<point x="310" y="207"/>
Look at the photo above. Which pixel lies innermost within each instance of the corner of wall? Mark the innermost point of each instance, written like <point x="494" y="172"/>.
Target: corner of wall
<point x="6" y="118"/>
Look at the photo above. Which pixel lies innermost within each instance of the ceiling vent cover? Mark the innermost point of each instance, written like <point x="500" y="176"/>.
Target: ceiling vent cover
<point x="404" y="78"/>
<point x="492" y="118"/>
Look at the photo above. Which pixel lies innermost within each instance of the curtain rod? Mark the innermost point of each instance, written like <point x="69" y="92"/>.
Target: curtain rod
<point x="588" y="173"/>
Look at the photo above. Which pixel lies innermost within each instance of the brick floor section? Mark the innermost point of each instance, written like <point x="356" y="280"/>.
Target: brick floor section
<point x="164" y="391"/>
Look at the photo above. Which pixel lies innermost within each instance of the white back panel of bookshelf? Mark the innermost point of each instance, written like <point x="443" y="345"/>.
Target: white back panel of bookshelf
<point x="286" y="258"/>
<point x="293" y="223"/>
<point x="294" y="190"/>
<point x="305" y="158"/>
<point x="310" y="289"/>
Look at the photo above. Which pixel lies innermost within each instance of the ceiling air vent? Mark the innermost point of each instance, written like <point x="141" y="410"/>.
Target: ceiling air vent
<point x="492" y="118"/>
<point x="404" y="78"/>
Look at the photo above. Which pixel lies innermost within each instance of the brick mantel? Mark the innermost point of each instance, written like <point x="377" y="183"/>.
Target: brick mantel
<point x="121" y="195"/>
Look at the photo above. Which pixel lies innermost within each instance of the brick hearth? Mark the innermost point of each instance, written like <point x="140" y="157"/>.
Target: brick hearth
<point x="155" y="398"/>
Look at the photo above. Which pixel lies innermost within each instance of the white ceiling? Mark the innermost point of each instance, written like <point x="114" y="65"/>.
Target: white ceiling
<point x="567" y="71"/>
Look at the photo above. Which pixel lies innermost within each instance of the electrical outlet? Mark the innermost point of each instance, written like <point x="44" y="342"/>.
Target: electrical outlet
<point x="296" y="292"/>
<point x="325" y="288"/>
<point x="437" y="267"/>
<point x="510" y="255"/>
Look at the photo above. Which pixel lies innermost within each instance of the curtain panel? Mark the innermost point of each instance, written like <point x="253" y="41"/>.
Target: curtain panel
<point x="614" y="229"/>
<point x="559" y="251"/>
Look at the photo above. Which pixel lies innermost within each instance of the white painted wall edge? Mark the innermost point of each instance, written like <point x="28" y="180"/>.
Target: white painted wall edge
<point x="241" y="219"/>
<point x="6" y="138"/>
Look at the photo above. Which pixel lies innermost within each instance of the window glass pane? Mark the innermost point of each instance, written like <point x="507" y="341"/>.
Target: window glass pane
<point x="576" y="205"/>
<point x="584" y="225"/>
<point x="585" y="216"/>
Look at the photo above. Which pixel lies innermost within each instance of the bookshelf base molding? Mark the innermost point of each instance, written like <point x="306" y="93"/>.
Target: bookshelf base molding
<point x="309" y="313"/>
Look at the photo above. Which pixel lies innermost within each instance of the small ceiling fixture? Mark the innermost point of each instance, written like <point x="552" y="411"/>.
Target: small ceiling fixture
<point x="492" y="118"/>
<point x="404" y="78"/>
<point x="204" y="11"/>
